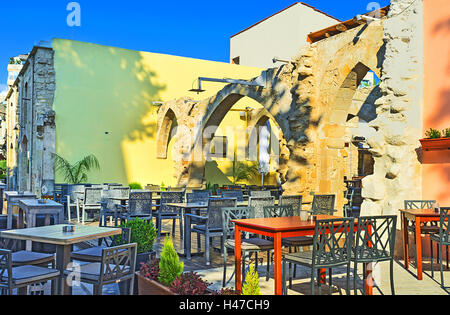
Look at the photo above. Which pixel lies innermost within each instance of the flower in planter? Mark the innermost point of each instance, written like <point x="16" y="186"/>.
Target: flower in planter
<point x="446" y="133"/>
<point x="433" y="134"/>
<point x="150" y="270"/>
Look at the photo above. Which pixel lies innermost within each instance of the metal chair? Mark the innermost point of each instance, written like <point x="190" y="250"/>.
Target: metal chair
<point x="91" y="202"/>
<point x="24" y="275"/>
<point x="110" y="208"/>
<point x="258" y="204"/>
<point x="248" y="245"/>
<point x="117" y="264"/>
<point x="355" y="200"/>
<point x="140" y="205"/>
<point x="94" y="254"/>
<point x="205" y="194"/>
<point x="426" y="228"/>
<point x="166" y="212"/>
<point x="212" y="225"/>
<point x="332" y="247"/>
<point x="279" y="211"/>
<point x="323" y="204"/>
<point x="295" y="201"/>
<point x="233" y="194"/>
<point x="375" y="242"/>
<point x="442" y="239"/>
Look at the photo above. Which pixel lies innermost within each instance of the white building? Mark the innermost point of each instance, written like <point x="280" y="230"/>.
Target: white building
<point x="281" y="35"/>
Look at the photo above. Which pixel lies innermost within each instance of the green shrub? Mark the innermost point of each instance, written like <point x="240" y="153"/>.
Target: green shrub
<point x="251" y="284"/>
<point x="433" y="134"/>
<point x="143" y="233"/>
<point x="135" y="186"/>
<point x="169" y="265"/>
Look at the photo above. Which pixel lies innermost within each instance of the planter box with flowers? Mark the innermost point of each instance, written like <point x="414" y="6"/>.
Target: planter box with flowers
<point x="165" y="277"/>
<point x="436" y="147"/>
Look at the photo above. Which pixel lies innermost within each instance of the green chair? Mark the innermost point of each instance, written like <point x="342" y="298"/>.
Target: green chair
<point x="442" y="239"/>
<point x="332" y="247"/>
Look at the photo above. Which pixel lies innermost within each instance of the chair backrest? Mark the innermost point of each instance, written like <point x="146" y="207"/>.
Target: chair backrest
<point x="215" y="207"/>
<point x="92" y="196"/>
<point x="196" y="198"/>
<point x="260" y="193"/>
<point x="332" y="244"/>
<point x="236" y="213"/>
<point x="233" y="194"/>
<point x="205" y="194"/>
<point x="153" y="187"/>
<point x="170" y="197"/>
<point x="140" y="203"/>
<point x="258" y="204"/>
<point x="5" y="269"/>
<point x="176" y="189"/>
<point x="444" y="231"/>
<point x="279" y="212"/>
<point x="73" y="191"/>
<point x="118" y="263"/>
<point x="112" y="185"/>
<point x="419" y="204"/>
<point x="116" y="240"/>
<point x="295" y="201"/>
<point x="375" y="238"/>
<point x="323" y="204"/>
<point x="122" y="191"/>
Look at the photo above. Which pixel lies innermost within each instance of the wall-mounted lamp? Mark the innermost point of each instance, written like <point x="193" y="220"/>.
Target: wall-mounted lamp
<point x="260" y="82"/>
<point x="157" y="103"/>
<point x="276" y="59"/>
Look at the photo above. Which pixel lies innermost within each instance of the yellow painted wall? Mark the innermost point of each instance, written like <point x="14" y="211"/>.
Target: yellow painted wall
<point x="103" y="106"/>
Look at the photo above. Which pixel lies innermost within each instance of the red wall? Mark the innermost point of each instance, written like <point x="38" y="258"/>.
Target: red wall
<point x="436" y="177"/>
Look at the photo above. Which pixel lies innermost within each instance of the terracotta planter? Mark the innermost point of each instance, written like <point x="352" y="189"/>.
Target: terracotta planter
<point x="435" y="144"/>
<point x="150" y="287"/>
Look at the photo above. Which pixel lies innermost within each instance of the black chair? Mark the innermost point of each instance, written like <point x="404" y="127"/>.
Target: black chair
<point x="94" y="254"/>
<point x="233" y="194"/>
<point x="248" y="245"/>
<point x="24" y="275"/>
<point x="375" y="242"/>
<point x="279" y="211"/>
<point x="260" y="193"/>
<point x="426" y="228"/>
<point x="166" y="212"/>
<point x="323" y="204"/>
<point x="355" y="199"/>
<point x="140" y="205"/>
<point x="118" y="264"/>
<point x="332" y="247"/>
<point x="211" y="225"/>
<point x="442" y="239"/>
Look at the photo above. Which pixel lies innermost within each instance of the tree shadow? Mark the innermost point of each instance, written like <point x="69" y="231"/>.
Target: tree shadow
<point x="104" y="98"/>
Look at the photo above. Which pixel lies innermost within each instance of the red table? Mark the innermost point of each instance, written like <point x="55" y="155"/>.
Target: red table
<point x="279" y="228"/>
<point x="418" y="216"/>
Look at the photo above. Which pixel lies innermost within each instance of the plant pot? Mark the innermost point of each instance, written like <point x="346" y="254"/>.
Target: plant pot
<point x="150" y="287"/>
<point x="435" y="144"/>
<point x="435" y="151"/>
<point x="140" y="258"/>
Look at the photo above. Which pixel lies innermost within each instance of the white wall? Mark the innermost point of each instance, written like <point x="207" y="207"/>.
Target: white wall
<point x="282" y="36"/>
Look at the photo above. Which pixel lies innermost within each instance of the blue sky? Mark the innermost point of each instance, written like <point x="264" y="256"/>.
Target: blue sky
<point x="198" y="29"/>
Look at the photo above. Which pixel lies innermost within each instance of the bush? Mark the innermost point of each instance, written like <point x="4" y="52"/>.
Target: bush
<point x="135" y="186"/>
<point x="251" y="285"/>
<point x="150" y="270"/>
<point x="446" y="133"/>
<point x="190" y="284"/>
<point x="143" y="233"/>
<point x="170" y="266"/>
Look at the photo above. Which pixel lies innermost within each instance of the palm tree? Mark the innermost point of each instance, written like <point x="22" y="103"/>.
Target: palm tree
<point x="76" y="173"/>
<point x="243" y="171"/>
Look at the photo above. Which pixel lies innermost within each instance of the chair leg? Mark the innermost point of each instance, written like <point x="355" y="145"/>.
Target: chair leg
<point x="355" y="277"/>
<point x="313" y="280"/>
<point x="256" y="261"/>
<point x="268" y="266"/>
<point x="207" y="245"/>
<point x="364" y="279"/>
<point x="224" y="267"/>
<point x="159" y="227"/>
<point x="330" y="291"/>
<point x="319" y="284"/>
<point x="181" y="227"/>
<point x="283" y="278"/>
<point x="131" y="284"/>
<point x="392" y="277"/>
<point x="432" y="260"/>
<point x="442" y="266"/>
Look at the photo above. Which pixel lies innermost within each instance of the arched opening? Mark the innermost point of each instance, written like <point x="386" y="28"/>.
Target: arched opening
<point x="165" y="131"/>
<point x="238" y="139"/>
<point x="358" y="94"/>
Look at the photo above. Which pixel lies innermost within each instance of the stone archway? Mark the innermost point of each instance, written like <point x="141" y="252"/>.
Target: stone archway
<point x="163" y="136"/>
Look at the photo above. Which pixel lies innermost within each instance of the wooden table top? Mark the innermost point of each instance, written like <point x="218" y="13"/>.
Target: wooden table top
<point x="281" y="224"/>
<point x="54" y="234"/>
<point x="421" y="212"/>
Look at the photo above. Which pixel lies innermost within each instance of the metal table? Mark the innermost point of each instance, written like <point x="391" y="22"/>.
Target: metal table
<point x="12" y="199"/>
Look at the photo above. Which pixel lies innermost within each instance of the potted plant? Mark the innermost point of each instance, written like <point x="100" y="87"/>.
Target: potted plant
<point x="135" y="186"/>
<point x="144" y="234"/>
<point x="436" y="140"/>
<point x="165" y="276"/>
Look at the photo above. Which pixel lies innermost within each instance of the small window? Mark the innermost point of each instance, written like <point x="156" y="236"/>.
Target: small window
<point x="219" y="146"/>
<point x="236" y="61"/>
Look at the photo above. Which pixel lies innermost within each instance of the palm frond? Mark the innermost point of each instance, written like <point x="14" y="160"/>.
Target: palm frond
<point x="77" y="173"/>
